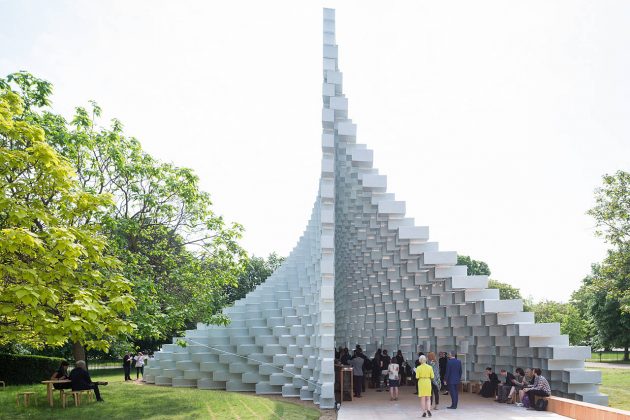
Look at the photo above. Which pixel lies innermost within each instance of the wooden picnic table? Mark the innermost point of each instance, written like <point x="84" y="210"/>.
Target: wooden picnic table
<point x="50" y="389"/>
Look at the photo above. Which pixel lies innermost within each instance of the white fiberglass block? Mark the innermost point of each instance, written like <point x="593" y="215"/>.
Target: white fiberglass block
<point x="560" y="340"/>
<point x="330" y="51"/>
<point x="391" y="207"/>
<point x="421" y="248"/>
<point x="446" y="272"/>
<point x="540" y="330"/>
<point x="572" y="353"/>
<point x="470" y="282"/>
<point x="339" y="103"/>
<point x="328" y="141"/>
<point x="508" y="305"/>
<point x="477" y="295"/>
<point x="581" y="376"/>
<point x="362" y="156"/>
<point x="514" y="317"/>
<point x="415" y="233"/>
<point x="333" y="77"/>
<point x="440" y="258"/>
<point x="346" y="128"/>
<point x="374" y="181"/>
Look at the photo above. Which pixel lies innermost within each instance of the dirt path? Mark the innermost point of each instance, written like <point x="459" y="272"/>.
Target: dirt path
<point x="607" y="365"/>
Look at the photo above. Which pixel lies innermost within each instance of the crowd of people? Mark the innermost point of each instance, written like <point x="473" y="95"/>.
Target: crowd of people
<point x="520" y="387"/>
<point x="433" y="375"/>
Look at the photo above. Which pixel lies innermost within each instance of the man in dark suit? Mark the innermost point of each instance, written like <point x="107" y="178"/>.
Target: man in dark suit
<point x="127" y="366"/>
<point x="81" y="380"/>
<point x="452" y="378"/>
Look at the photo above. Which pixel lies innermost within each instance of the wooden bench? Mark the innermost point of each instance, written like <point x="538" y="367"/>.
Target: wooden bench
<point x="582" y="410"/>
<point x="26" y="396"/>
<point x="77" y="397"/>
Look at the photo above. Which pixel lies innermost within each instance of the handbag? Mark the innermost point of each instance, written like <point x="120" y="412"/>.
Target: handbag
<point x="541" y="404"/>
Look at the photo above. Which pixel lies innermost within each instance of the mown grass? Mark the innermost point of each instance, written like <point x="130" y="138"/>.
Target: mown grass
<point x="133" y="401"/>
<point x="608" y="357"/>
<point x="616" y="383"/>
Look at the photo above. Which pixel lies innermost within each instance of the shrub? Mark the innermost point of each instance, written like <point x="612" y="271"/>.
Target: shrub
<point x="26" y="369"/>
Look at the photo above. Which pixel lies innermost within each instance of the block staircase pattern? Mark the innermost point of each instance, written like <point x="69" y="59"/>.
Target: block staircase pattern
<point x="364" y="273"/>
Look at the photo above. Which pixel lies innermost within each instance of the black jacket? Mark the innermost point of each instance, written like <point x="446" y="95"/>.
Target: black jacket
<point x="80" y="379"/>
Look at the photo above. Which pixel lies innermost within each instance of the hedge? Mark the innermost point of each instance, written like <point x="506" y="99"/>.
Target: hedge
<point x="26" y="369"/>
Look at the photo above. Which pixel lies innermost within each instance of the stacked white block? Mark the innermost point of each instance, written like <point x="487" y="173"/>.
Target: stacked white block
<point x="363" y="273"/>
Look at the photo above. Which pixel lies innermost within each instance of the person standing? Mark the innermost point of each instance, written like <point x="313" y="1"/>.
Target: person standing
<point x="400" y="359"/>
<point x="139" y="365"/>
<point x="442" y="362"/>
<point x="436" y="382"/>
<point x="376" y="370"/>
<point x="424" y="375"/>
<point x="127" y="366"/>
<point x="394" y="379"/>
<point x="357" y="372"/>
<point x="452" y="378"/>
<point x="385" y="360"/>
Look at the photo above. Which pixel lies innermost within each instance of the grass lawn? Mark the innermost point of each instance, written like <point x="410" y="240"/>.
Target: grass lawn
<point x="616" y="383"/>
<point x="131" y="401"/>
<point x="608" y="357"/>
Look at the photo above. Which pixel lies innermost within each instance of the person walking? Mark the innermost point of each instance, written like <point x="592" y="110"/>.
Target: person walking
<point x="436" y="382"/>
<point x="424" y="375"/>
<point x="452" y="378"/>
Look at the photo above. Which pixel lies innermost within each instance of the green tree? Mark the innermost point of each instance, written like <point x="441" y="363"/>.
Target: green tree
<point x="612" y="209"/>
<point x="506" y="291"/>
<point x="60" y="282"/>
<point x="568" y="316"/>
<point x="256" y="272"/>
<point x="606" y="286"/>
<point x="177" y="253"/>
<point x="475" y="267"/>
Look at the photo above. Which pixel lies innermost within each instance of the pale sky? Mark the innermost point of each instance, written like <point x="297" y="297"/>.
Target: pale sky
<point x="493" y="120"/>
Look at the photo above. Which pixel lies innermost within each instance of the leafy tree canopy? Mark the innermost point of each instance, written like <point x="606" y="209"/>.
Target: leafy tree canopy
<point x="604" y="293"/>
<point x="612" y="210"/>
<point x="572" y="323"/>
<point x="256" y="272"/>
<point x="59" y="281"/>
<point x="177" y="253"/>
<point x="475" y="267"/>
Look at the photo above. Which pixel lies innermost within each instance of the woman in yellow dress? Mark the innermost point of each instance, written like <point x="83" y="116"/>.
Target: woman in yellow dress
<point x="424" y="375"/>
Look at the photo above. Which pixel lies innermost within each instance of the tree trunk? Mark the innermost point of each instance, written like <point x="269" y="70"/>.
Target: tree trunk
<point x="626" y="355"/>
<point x="78" y="352"/>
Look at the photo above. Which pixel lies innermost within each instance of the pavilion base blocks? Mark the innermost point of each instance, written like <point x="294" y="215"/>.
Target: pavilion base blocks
<point x="363" y="273"/>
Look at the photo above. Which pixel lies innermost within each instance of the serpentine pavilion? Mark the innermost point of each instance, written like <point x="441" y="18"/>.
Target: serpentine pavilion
<point x="364" y="273"/>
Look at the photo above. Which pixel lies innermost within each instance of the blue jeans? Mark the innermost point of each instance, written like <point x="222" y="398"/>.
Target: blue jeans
<point x="452" y="390"/>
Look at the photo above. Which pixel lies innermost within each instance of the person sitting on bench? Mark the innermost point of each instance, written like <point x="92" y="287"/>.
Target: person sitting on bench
<point x="540" y="388"/>
<point x="489" y="387"/>
<point x="81" y="380"/>
<point x="61" y="373"/>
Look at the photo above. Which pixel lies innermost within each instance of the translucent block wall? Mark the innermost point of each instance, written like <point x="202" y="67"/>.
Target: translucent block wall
<point x="364" y="273"/>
